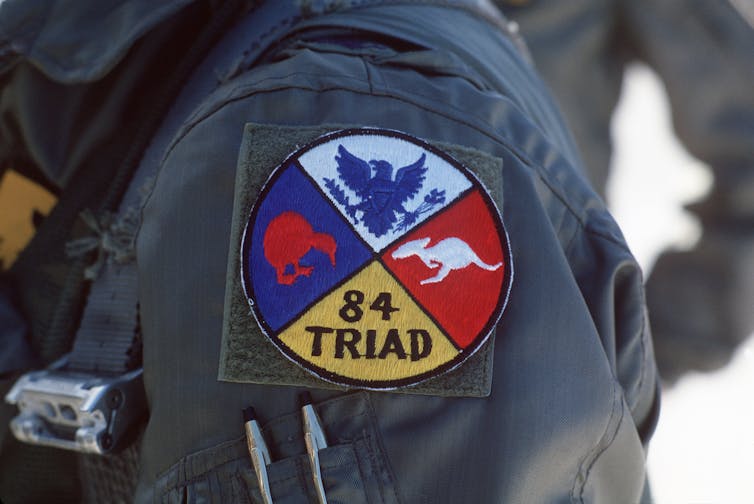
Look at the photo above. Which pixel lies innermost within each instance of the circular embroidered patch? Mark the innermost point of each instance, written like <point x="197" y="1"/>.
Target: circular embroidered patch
<point x="374" y="260"/>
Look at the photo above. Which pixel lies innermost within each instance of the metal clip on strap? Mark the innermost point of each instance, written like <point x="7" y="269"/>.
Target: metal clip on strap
<point x="75" y="410"/>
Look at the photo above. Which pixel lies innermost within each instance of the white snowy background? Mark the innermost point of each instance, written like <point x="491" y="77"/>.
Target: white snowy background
<point x="703" y="449"/>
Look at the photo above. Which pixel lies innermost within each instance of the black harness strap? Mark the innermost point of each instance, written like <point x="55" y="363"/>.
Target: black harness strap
<point x="54" y="300"/>
<point x="108" y="340"/>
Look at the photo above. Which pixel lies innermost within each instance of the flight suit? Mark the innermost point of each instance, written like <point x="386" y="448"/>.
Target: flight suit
<point x="555" y="402"/>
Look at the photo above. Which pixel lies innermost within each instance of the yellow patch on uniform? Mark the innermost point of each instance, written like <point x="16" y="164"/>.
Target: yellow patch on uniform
<point x="20" y="199"/>
<point x="369" y="329"/>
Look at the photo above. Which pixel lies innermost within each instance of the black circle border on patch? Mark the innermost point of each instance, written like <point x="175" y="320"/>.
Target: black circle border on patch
<point x="330" y="376"/>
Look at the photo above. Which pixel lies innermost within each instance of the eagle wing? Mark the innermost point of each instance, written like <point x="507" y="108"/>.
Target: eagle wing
<point x="354" y="172"/>
<point x="408" y="180"/>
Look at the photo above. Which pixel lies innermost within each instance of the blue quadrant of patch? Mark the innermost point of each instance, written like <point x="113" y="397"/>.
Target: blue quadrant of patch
<point x="296" y="228"/>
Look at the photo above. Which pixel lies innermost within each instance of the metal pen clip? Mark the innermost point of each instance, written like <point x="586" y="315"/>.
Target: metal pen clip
<point x="314" y="437"/>
<point x="260" y="455"/>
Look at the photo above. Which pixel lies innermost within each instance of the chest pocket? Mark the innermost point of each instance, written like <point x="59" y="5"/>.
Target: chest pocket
<point x="353" y="466"/>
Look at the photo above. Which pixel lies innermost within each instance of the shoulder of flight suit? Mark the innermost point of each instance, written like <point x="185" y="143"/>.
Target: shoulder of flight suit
<point x="573" y="371"/>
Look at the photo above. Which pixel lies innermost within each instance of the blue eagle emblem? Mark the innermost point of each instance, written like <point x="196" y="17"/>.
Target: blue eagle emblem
<point x="382" y="197"/>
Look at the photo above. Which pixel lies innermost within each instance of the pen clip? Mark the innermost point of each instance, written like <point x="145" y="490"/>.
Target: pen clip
<point x="258" y="452"/>
<point x="314" y="437"/>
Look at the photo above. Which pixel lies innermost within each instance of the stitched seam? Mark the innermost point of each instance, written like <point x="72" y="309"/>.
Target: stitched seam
<point x="593" y="455"/>
<point x="374" y="461"/>
<point x="183" y="480"/>
<point x="301" y="476"/>
<point x="253" y="92"/>
<point x="368" y="74"/>
<point x="222" y="448"/>
<point x="240" y="479"/>
<point x="381" y="92"/>
<point x="244" y="64"/>
<point x="488" y="17"/>
<point x="572" y="239"/>
<point x="220" y="487"/>
<point x="635" y="391"/>
<point x="522" y="156"/>
<point x="603" y="450"/>
<point x="644" y="336"/>
<point x="644" y="369"/>
<point x="384" y="466"/>
<point x="241" y="483"/>
<point x="294" y="441"/>
<point x="362" y="474"/>
<point x="255" y="44"/>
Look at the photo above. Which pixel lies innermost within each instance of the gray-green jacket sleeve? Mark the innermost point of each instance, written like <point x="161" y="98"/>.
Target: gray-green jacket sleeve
<point x="573" y="392"/>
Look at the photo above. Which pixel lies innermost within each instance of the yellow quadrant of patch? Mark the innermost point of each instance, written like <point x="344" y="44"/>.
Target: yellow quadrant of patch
<point x="369" y="329"/>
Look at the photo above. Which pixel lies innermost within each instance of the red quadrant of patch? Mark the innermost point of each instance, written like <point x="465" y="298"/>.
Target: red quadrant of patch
<point x="454" y="265"/>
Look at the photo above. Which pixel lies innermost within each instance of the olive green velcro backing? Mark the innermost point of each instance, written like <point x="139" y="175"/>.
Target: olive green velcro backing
<point x="247" y="356"/>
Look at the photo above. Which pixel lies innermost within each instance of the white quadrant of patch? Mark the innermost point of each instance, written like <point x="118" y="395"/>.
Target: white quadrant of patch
<point x="360" y="175"/>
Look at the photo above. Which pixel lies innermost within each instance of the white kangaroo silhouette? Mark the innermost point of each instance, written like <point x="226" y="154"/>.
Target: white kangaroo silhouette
<point x="448" y="254"/>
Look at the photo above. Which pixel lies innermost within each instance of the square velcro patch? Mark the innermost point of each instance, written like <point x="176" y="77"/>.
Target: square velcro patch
<point x="364" y="258"/>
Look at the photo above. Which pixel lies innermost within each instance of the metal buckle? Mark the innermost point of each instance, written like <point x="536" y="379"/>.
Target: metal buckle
<point x="76" y="411"/>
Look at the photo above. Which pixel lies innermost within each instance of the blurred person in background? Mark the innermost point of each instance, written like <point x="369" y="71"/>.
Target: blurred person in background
<point x="701" y="301"/>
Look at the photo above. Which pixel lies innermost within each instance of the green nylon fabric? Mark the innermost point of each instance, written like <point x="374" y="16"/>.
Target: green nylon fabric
<point x="557" y="424"/>
<point x="573" y="378"/>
